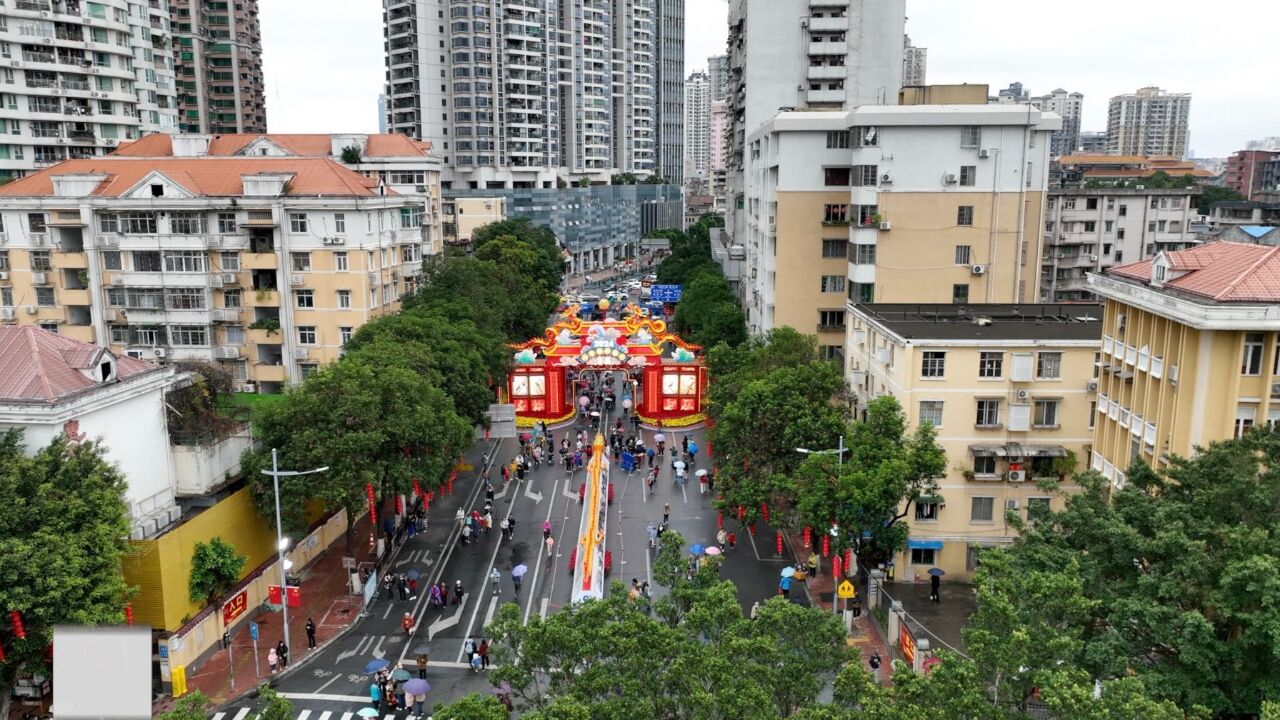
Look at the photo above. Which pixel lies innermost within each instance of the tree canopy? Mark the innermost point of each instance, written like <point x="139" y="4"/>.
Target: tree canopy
<point x="215" y="569"/>
<point x="708" y="313"/>
<point x="1212" y="194"/>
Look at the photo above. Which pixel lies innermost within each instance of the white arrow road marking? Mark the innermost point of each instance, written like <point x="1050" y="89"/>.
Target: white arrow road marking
<point x="446" y="623"/>
<point x="536" y="497"/>
<point x="377" y="651"/>
<point x="488" y="614"/>
<point x="360" y="647"/>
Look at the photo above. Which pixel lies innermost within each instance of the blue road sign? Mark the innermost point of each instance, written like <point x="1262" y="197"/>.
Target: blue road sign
<point x="164" y="651"/>
<point x="665" y="293"/>
<point x="253" y="630"/>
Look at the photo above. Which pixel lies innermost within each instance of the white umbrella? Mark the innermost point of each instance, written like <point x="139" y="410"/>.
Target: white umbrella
<point x="679" y="465"/>
<point x="659" y="438"/>
<point x="701" y="473"/>
<point x="713" y="550"/>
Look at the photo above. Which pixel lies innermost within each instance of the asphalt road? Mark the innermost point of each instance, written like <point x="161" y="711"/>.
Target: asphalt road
<point x="333" y="681"/>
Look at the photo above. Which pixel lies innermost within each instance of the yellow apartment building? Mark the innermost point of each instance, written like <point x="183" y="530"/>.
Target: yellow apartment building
<point x="267" y="264"/>
<point x="1190" y="353"/>
<point x="462" y="215"/>
<point x="1010" y="390"/>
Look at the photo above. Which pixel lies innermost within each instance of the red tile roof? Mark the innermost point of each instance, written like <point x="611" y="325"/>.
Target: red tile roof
<point x="1218" y="271"/>
<point x="41" y="366"/>
<point x="206" y="176"/>
<point x="301" y="145"/>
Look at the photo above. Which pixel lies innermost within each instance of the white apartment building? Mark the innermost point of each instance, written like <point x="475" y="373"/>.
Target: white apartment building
<point x="718" y="76"/>
<point x="1149" y="122"/>
<point x="1068" y="106"/>
<point x="887" y="204"/>
<point x="78" y="77"/>
<point x="697" y="127"/>
<point x="266" y="264"/>
<point x="915" y="63"/>
<point x="1088" y="230"/>
<point x="520" y="95"/>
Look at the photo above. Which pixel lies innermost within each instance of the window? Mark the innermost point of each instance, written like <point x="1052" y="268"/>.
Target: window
<point x="138" y="223"/>
<point x="306" y="334"/>
<point x="988" y="413"/>
<point x="833" y="283"/>
<point x="982" y="509"/>
<point x="297" y="222"/>
<point x="834" y="248"/>
<point x="968" y="175"/>
<point x="865" y="136"/>
<point x="6" y="296"/>
<point x="926" y="509"/>
<point x="970" y="136"/>
<point x="991" y="364"/>
<point x="304" y="298"/>
<point x="108" y="224"/>
<point x="188" y="335"/>
<point x="36" y="223"/>
<point x="410" y="217"/>
<point x="830" y="319"/>
<point x="931" y="412"/>
<point x="933" y="364"/>
<point x="184" y="261"/>
<point x="1046" y="414"/>
<point x="1251" y="363"/>
<point x="229" y="261"/>
<point x="301" y="261"/>
<point x="1091" y="204"/>
<point x="344" y="299"/>
<point x="863" y="254"/>
<point x="832" y="353"/>
<point x="146" y="261"/>
<point x="340" y="223"/>
<point x="232" y="299"/>
<point x="119" y="334"/>
<point x="186" y="223"/>
<point x="984" y="465"/>
<point x="1049" y="366"/>
<point x="44" y="296"/>
<point x="344" y="335"/>
<point x="837" y="139"/>
<point x="40" y="261"/>
<point x="960" y="293"/>
<point x="233" y="334"/>
<point x="964" y="215"/>
<point x="184" y="298"/>
<point x="1124" y="210"/>
<point x="835" y="214"/>
<point x="923" y="556"/>
<point x="865" y="175"/>
<point x="963" y="254"/>
<point x="226" y="223"/>
<point x="835" y="177"/>
<point x="340" y="261"/>
<point x="1151" y="226"/>
<point x="1090" y="226"/>
<point x="1245" y="416"/>
<point x="4" y="259"/>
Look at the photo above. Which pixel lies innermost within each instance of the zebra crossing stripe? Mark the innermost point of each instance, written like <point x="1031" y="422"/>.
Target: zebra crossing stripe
<point x="241" y="713"/>
<point x="303" y="715"/>
<point x="346" y="716"/>
<point x="219" y="716"/>
<point x="325" y="715"/>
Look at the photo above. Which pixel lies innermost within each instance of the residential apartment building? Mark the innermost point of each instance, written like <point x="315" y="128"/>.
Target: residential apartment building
<point x="1244" y="213"/>
<point x="460" y="217"/>
<point x="1092" y="229"/>
<point x="1093" y="143"/>
<point x="1244" y="172"/>
<point x="915" y="63"/>
<point x="697" y="128"/>
<point x="1149" y="122"/>
<point x="79" y="77"/>
<point x="907" y="203"/>
<point x="1068" y="106"/>
<point x="266" y="264"/>
<point x="217" y="54"/>
<point x="718" y="156"/>
<point x="1009" y="389"/>
<point x="718" y="76"/>
<point x="1190" y="353"/>
<point x="523" y="95"/>
<point x="1012" y="95"/>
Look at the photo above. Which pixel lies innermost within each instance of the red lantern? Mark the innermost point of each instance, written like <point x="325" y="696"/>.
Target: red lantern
<point x="808" y="537"/>
<point x="399" y="505"/>
<point x="373" y="509"/>
<point x="752" y="528"/>
<point x="826" y="546"/>
<point x="779" y="542"/>
<point x="128" y="613"/>
<point x="764" y="511"/>
<point x="742" y="513"/>
<point x="1" y="652"/>
<point x="417" y="489"/>
<point x="835" y="567"/>
<point x="719" y="520"/>
<point x="19" y="631"/>
<point x="848" y="558"/>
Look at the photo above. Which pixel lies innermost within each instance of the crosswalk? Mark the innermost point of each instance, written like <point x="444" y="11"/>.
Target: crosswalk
<point x="245" y="713"/>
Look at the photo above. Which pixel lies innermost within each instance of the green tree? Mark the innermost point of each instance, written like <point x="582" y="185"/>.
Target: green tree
<point x="188" y="707"/>
<point x="872" y="491"/>
<point x="351" y="155"/>
<point x="734" y="367"/>
<point x="64" y="524"/>
<point x="472" y="707"/>
<point x="1211" y="194"/>
<point x="550" y="256"/>
<point x="215" y="569"/>
<point x="708" y="312"/>
<point x="274" y="705"/>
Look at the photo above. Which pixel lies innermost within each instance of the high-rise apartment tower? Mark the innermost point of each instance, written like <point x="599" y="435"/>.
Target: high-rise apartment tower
<point x="697" y="127"/>
<point x="1149" y="122"/>
<point x="217" y="55"/>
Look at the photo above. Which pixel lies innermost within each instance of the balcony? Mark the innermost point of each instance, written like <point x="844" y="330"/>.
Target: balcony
<point x="828" y="48"/>
<point x="267" y="373"/>
<point x="828" y="24"/>
<point x="266" y="297"/>
<point x="259" y="261"/>
<point x="66" y="218"/>
<point x="259" y="336"/>
<point x="70" y="261"/>
<point x="75" y="297"/>
<point x="203" y="468"/>
<point x="826" y="96"/>
<point x="828" y="72"/>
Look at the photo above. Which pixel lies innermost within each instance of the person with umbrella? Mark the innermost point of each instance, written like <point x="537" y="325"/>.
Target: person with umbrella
<point x="784" y="585"/>
<point x="935" y="583"/>
<point x="517" y="576"/>
<point x="417" y="689"/>
<point x="702" y="482"/>
<point x="422" y="658"/>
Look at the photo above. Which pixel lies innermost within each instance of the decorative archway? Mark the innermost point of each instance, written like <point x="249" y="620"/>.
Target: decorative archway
<point x="668" y="375"/>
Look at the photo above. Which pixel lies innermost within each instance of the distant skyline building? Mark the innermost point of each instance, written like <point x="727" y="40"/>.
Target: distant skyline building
<point x="1093" y="143"/>
<point x="667" y="50"/>
<point x="217" y="53"/>
<point x="1012" y="94"/>
<point x="382" y="114"/>
<point x="697" y="127"/>
<point x="1068" y="105"/>
<point x="915" y="63"/>
<point x="718" y="73"/>
<point x="1149" y="122"/>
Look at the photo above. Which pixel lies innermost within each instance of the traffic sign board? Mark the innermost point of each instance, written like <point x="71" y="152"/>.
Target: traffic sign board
<point x="845" y="591"/>
<point x="665" y="293"/>
<point x="253" y="630"/>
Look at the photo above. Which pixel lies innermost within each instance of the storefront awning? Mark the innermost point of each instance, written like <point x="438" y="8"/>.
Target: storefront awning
<point x="924" y="544"/>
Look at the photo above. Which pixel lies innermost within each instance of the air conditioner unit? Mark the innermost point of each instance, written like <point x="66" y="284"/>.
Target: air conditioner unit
<point x="39" y="278"/>
<point x="31" y="309"/>
<point x="1017" y="476"/>
<point x="295" y="279"/>
<point x="1092" y="386"/>
<point x="1093" y="258"/>
<point x="160" y="353"/>
<point x="109" y="315"/>
<point x="337" y="241"/>
<point x="886" y="225"/>
<point x="108" y="241"/>
<point x="886" y="179"/>
<point x="978" y="269"/>
<point x="1275" y="389"/>
<point x="984" y="153"/>
<point x="1023" y="394"/>
<point x="374" y="279"/>
<point x="4" y="275"/>
<point x="6" y="313"/>
<point x="229" y="278"/>
<point x="326" y="241"/>
<point x="949" y="179"/>
<point x="16" y="63"/>
<point x="301" y="353"/>
<point x="215" y="281"/>
<point x="1011" y="503"/>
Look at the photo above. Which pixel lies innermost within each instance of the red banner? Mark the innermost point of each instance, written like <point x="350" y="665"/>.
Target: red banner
<point x="294" y="594"/>
<point x="235" y="607"/>
<point x="373" y="510"/>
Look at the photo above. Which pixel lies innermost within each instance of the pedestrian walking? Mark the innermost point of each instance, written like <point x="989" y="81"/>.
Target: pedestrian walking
<point x="935" y="583"/>
<point x="517" y="581"/>
<point x="406" y="624"/>
<point x="466" y="533"/>
<point x="511" y="527"/>
<point x="311" y="634"/>
<point x="813" y="564"/>
<point x="666" y="513"/>
<point x="469" y="648"/>
<point x="458" y="592"/>
<point x="722" y="537"/>
<point x="272" y="660"/>
<point x="387" y="583"/>
<point x="483" y="651"/>
<point x="550" y="543"/>
<point x="282" y="652"/>
<point x="504" y="527"/>
<point x="546" y="528"/>
<point x="784" y="587"/>
<point x="494" y="577"/>
<point x="422" y="665"/>
<point x="413" y="589"/>
<point x="375" y="695"/>
<point x="461" y="517"/>
<point x="475" y="662"/>
<point x="733" y="540"/>
<point x="652" y="531"/>
<point x="402" y="584"/>
<point x="487" y="521"/>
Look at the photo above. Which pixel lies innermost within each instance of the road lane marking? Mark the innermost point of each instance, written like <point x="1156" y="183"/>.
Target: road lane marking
<point x="241" y="713"/>
<point x="304" y="715"/>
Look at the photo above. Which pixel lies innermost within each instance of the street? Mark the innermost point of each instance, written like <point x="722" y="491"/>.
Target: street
<point x="333" y="681"/>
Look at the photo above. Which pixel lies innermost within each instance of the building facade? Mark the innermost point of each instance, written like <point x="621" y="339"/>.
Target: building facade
<point x="1190" y="353"/>
<point x="461" y="216"/>
<point x="1089" y="230"/>
<point x="523" y="95"/>
<point x="718" y="76"/>
<point x="915" y="63"/>
<point x="81" y="77"/>
<point x="697" y="128"/>
<point x="265" y="264"/>
<point x="1093" y="143"/>
<point x="1012" y="95"/>
<point x="1009" y="389"/>
<point x="1245" y="172"/>
<point x="217" y="55"/>
<point x="1149" y="122"/>
<point x="1068" y="106"/>
<point x="718" y="157"/>
<point x="931" y="204"/>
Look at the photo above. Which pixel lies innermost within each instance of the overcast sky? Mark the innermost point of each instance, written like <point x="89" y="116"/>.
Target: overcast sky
<point x="324" y="63"/>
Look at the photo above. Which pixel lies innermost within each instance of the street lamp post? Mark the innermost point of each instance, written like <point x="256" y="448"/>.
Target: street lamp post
<point x="838" y="452"/>
<point x="281" y="542"/>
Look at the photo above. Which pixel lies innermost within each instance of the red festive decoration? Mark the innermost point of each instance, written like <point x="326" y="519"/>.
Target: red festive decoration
<point x="742" y="513"/>
<point x="826" y="546"/>
<point x="848" y="558"/>
<point x="1" y="652"/>
<point x="128" y="613"/>
<point x="19" y="631"/>
<point x="835" y="567"/>
<point x="778" y="543"/>
<point x="373" y="505"/>
<point x="752" y="528"/>
<point x="719" y="521"/>
<point x="417" y="489"/>
<point x="808" y="537"/>
<point x="764" y="511"/>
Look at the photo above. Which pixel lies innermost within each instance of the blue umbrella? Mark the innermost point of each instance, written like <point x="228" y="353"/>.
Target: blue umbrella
<point x="939" y="572"/>
<point x="413" y="574"/>
<point x="696" y="549"/>
<point x="375" y="665"/>
<point x="417" y="686"/>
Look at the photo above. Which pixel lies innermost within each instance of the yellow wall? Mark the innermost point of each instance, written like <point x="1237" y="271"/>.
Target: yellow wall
<point x="161" y="568"/>
<point x="799" y="264"/>
<point x="964" y="94"/>
<point x="915" y="260"/>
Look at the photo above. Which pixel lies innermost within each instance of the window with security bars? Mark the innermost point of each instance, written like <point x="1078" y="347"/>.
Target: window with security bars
<point x="1049" y="366"/>
<point x="964" y="215"/>
<point x="833" y="283"/>
<point x="968" y="175"/>
<point x="186" y="223"/>
<point x="970" y="136"/>
<point x="1045" y="414"/>
<point x="931" y="412"/>
<point x="933" y="364"/>
<point x="990" y="365"/>
<point x="189" y="261"/>
<point x="188" y="335"/>
<point x="964" y="254"/>
<point x="988" y="413"/>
